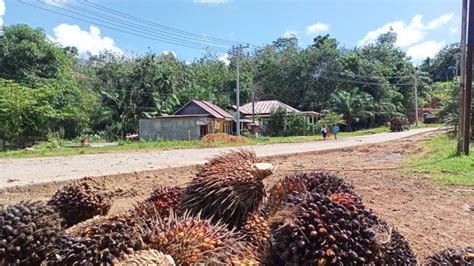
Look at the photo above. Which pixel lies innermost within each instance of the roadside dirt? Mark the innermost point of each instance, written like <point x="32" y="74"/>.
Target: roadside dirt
<point x="430" y="215"/>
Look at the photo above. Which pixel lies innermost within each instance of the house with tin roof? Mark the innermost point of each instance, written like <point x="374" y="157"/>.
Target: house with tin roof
<point x="264" y="109"/>
<point x="260" y="112"/>
<point x="192" y="121"/>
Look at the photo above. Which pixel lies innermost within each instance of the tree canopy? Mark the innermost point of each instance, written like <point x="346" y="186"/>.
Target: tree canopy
<point x="48" y="88"/>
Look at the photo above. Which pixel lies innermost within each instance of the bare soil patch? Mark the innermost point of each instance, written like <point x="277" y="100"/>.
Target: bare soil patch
<point x="430" y="215"/>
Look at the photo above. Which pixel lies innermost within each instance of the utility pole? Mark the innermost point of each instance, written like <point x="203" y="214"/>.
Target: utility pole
<point x="416" y="96"/>
<point x="468" y="86"/>
<point x="460" y="144"/>
<point x="253" y="104"/>
<point x="237" y="98"/>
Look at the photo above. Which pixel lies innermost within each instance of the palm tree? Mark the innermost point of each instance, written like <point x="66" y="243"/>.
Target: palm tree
<point x="353" y="104"/>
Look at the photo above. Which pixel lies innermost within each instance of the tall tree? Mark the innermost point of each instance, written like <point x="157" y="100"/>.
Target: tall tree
<point x="27" y="56"/>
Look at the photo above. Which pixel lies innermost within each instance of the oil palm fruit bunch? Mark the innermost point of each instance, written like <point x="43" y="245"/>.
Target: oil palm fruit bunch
<point x="71" y="250"/>
<point x="227" y="188"/>
<point x="81" y="200"/>
<point x="105" y="241"/>
<point x="256" y="233"/>
<point x="453" y="256"/>
<point x="315" y="230"/>
<point x="396" y="251"/>
<point x="279" y="192"/>
<point x="348" y="200"/>
<point x="321" y="182"/>
<point x="165" y="199"/>
<point x="191" y="240"/>
<point x="28" y="231"/>
<point x="324" y="183"/>
<point x="147" y="257"/>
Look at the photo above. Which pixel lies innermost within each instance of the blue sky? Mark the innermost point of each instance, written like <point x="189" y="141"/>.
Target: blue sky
<point x="424" y="26"/>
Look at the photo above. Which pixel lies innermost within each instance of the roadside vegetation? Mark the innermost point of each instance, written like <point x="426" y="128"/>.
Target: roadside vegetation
<point x="47" y="90"/>
<point x="438" y="159"/>
<point x="55" y="147"/>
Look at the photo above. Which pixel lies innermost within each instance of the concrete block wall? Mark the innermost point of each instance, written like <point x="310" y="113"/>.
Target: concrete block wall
<point x="169" y="129"/>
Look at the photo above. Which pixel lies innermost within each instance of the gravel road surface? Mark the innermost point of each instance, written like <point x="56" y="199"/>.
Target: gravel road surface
<point x="27" y="171"/>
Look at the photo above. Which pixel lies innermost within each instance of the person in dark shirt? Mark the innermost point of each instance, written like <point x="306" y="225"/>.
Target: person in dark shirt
<point x="324" y="132"/>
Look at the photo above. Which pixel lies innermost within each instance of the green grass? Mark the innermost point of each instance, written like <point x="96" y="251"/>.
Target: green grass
<point x="46" y="149"/>
<point x="439" y="160"/>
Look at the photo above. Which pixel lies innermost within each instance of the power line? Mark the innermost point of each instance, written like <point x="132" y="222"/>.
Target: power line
<point x="364" y="82"/>
<point x="123" y="31"/>
<point x="350" y="75"/>
<point x="82" y="11"/>
<point x="133" y="27"/>
<point x="151" y="23"/>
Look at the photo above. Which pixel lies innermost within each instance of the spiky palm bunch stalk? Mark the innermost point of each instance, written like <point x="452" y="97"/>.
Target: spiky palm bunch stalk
<point x="191" y="240"/>
<point x="227" y="188"/>
<point x="147" y="257"/>
<point x="166" y="199"/>
<point x="453" y="256"/>
<point x="314" y="230"/>
<point x="81" y="200"/>
<point x="28" y="231"/>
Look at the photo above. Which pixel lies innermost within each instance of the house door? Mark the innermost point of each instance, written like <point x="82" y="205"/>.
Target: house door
<point x="204" y="130"/>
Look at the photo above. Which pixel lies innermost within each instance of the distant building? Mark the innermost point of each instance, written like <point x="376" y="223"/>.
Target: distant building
<point x="263" y="110"/>
<point x="192" y="121"/>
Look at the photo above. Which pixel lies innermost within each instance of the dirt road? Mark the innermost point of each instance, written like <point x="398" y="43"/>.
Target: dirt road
<point x="28" y="171"/>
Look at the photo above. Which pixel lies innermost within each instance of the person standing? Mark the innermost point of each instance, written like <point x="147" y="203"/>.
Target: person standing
<point x="324" y="131"/>
<point x="335" y="130"/>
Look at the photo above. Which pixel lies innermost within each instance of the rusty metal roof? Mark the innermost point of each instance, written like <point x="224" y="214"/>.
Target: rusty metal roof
<point x="210" y="108"/>
<point x="265" y="107"/>
<point x="219" y="110"/>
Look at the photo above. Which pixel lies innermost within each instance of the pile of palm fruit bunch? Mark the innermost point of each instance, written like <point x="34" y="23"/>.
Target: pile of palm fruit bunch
<point x="224" y="215"/>
<point x="453" y="256"/>
<point x="81" y="200"/>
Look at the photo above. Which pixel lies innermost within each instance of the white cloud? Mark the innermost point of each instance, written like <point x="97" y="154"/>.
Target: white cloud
<point x="410" y="33"/>
<point x="424" y="50"/>
<point x="317" y="28"/>
<point x="225" y="58"/>
<point x="289" y="33"/>
<point x="85" y="41"/>
<point x="211" y="2"/>
<point x="169" y="53"/>
<point x="2" y="12"/>
<point x="453" y="30"/>
<point x="441" y="21"/>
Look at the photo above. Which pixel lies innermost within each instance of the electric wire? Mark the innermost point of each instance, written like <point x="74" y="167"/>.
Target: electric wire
<point x="133" y="28"/>
<point x="123" y="31"/>
<point x="365" y="83"/>
<point x="151" y="23"/>
<point x="121" y="22"/>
